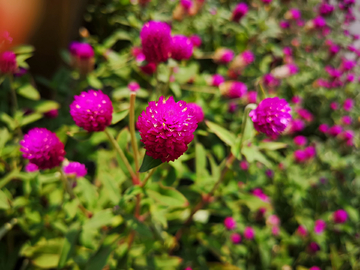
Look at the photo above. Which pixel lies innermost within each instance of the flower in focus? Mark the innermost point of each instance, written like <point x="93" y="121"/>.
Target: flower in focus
<point x="181" y="48"/>
<point x="31" y="167"/>
<point x="133" y="86"/>
<point x="156" y="41"/>
<point x="42" y="148"/>
<point x="340" y="216"/>
<point x="235" y="238"/>
<point x="229" y="223"/>
<point x="75" y="168"/>
<point x="8" y="62"/>
<point x="249" y="233"/>
<point x="233" y="89"/>
<point x="92" y="110"/>
<point x="196" y="111"/>
<point x="287" y="51"/>
<point x="223" y="56"/>
<point x="348" y="104"/>
<point x="302" y="231"/>
<point x="166" y="128"/>
<point x="320" y="226"/>
<point x="240" y="11"/>
<point x="271" y="116"/>
<point x="195" y="40"/>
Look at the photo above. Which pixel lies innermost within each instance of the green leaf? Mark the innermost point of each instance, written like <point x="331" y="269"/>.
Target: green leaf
<point x="28" y="119"/>
<point x="252" y="154"/>
<point x="118" y="116"/>
<point x="175" y="88"/>
<point x="149" y="163"/>
<point x="271" y="145"/>
<point x="200" y="161"/>
<point x="46" y="260"/>
<point x="224" y="135"/>
<point x="29" y="92"/>
<point x="5" y="118"/>
<point x="23" y="49"/>
<point x="4" y="137"/>
<point x="80" y="135"/>
<point x="94" y="82"/>
<point x="4" y="202"/>
<point x="101" y="218"/>
<point x="69" y="245"/>
<point x="45" y="106"/>
<point x="167" y="196"/>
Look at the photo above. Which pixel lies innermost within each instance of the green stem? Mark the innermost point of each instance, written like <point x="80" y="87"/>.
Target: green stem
<point x="247" y="110"/>
<point x="263" y="91"/>
<point x="66" y="184"/>
<point x="122" y="156"/>
<point x="132" y="132"/>
<point x="13" y="95"/>
<point x="7" y="227"/>
<point x="148" y="177"/>
<point x="168" y="82"/>
<point x="207" y="89"/>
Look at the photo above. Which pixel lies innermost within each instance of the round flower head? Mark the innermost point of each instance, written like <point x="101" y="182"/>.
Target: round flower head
<point x="346" y="120"/>
<point x="348" y="104"/>
<point x="270" y="81"/>
<point x="233" y="89"/>
<point x="334" y="106"/>
<point x="340" y="216"/>
<point x="334" y="49"/>
<point x="156" y="41"/>
<point x="319" y="22"/>
<point x="320" y="226"/>
<point x="195" y="40"/>
<point x="215" y="80"/>
<point x="284" y="24"/>
<point x="244" y="165"/>
<point x="300" y="156"/>
<point x="271" y="116"/>
<point x="249" y="233"/>
<point x="287" y="51"/>
<point x="181" y="47"/>
<point x="186" y="4"/>
<point x="223" y="56"/>
<point x="297" y="125"/>
<point x="138" y="54"/>
<point x="266" y="2"/>
<point x="235" y="238"/>
<point x="350" y="77"/>
<point x="269" y="173"/>
<point x="133" y="86"/>
<point x="42" y="148"/>
<point x="323" y="128"/>
<point x="8" y="62"/>
<point x="92" y="110"/>
<point x="166" y="128"/>
<point x="314" y="268"/>
<point x="293" y="14"/>
<point x="296" y="100"/>
<point x="242" y="60"/>
<point x="149" y="68"/>
<point x="251" y="97"/>
<point x="260" y="194"/>
<point x="196" y="111"/>
<point x="273" y="220"/>
<point x="240" y="11"/>
<point x="301" y="230"/>
<point x="275" y="230"/>
<point x="284" y="71"/>
<point x="313" y="247"/>
<point x="310" y="152"/>
<point x="81" y="50"/>
<point x="326" y="9"/>
<point x="31" y="167"/>
<point x="335" y="130"/>
<point x="75" y="168"/>
<point x="300" y="140"/>
<point x="229" y="223"/>
<point x="348" y="64"/>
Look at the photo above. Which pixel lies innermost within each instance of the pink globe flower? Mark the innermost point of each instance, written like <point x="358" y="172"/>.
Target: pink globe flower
<point x="249" y="233"/>
<point x="335" y="130"/>
<point x="259" y="193"/>
<point x="334" y="49"/>
<point x="340" y="216"/>
<point x="92" y="110"/>
<point x="300" y="140"/>
<point x="287" y="51"/>
<point x="138" y="54"/>
<point x="334" y="106"/>
<point x="8" y="62"/>
<point x="233" y="89"/>
<point x="302" y="231"/>
<point x="296" y="99"/>
<point x="313" y="247"/>
<point x="326" y="9"/>
<point x="271" y="116"/>
<point x="156" y="41"/>
<point x="323" y="128"/>
<point x="187" y="4"/>
<point x="348" y="104"/>
<point x="31" y="167"/>
<point x="75" y="168"/>
<point x="319" y="22"/>
<point x="275" y="230"/>
<point x="42" y="148"/>
<point x="273" y="220"/>
<point x="244" y="165"/>
<point x="181" y="48"/>
<point x="310" y="152"/>
<point x="293" y="14"/>
<point x="269" y="173"/>
<point x="351" y="48"/>
<point x="230" y="223"/>
<point x="284" y="24"/>
<point x="347" y="135"/>
<point x="305" y="114"/>
<point x="216" y="80"/>
<point x="320" y="226"/>
<point x="196" y="111"/>
<point x="235" y="238"/>
<point x="248" y="57"/>
<point x="133" y="86"/>
<point x="300" y="156"/>
<point x="346" y="120"/>
<point x="350" y="77"/>
<point x="195" y="40"/>
<point x="223" y="55"/>
<point x="81" y="50"/>
<point x="314" y="268"/>
<point x="270" y="81"/>
<point x="166" y="128"/>
<point x="347" y="65"/>
<point x="52" y="114"/>
<point x="239" y="12"/>
<point x="251" y="97"/>
<point x="188" y="268"/>
<point x="297" y="125"/>
<point x="149" y="68"/>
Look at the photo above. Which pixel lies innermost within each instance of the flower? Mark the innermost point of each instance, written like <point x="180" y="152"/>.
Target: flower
<point x="244" y="165"/>
<point x="319" y="22"/>
<point x="251" y="97"/>
<point x="300" y="156"/>
<point x="8" y="62"/>
<point x="297" y="125"/>
<point x="223" y="55"/>
<point x="340" y="216"/>
<point x="310" y="152"/>
<point x="300" y="140"/>
<point x="314" y="268"/>
<point x="348" y="64"/>
<point x="249" y="233"/>
<point x="81" y="50"/>
<point x="326" y="9"/>
<point x="305" y="114"/>
<point x="75" y="168"/>
<point x="242" y="60"/>
<point x="270" y="81"/>
<point x="284" y="24"/>
<point x="52" y="113"/>
<point x="269" y="173"/>
<point x="346" y="120"/>
<point x="275" y="230"/>
<point x="287" y="51"/>
<point x="235" y="238"/>
<point x="196" y="111"/>
<point x="92" y="110"/>
<point x="293" y="14"/>
<point x="42" y="148"/>
<point x="313" y="247"/>
<point x="323" y="128"/>
<point x="320" y="226"/>
<point x="335" y="130"/>
<point x="284" y="71"/>
<point x="186" y="4"/>
<point x="181" y="47"/>
<point x="156" y="41"/>
<point x="296" y="99"/>
<point x="348" y="104"/>
<point x="138" y="54"/>
<point x="149" y="68"/>
<point x="133" y="86"/>
<point x="229" y="223"/>
<point x="233" y="89"/>
<point x="166" y="128"/>
<point x="301" y="230"/>
<point x="334" y="49"/>
<point x="215" y="80"/>
<point x="259" y="193"/>
<point x="334" y="106"/>
<point x="350" y="77"/>
<point x="273" y="220"/>
<point x="31" y="167"/>
<point x="271" y="116"/>
<point x="240" y="11"/>
<point x="195" y="40"/>
<point x="20" y="72"/>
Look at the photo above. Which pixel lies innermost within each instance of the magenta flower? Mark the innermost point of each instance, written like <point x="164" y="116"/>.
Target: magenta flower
<point x="273" y="220"/>
<point x="284" y="71"/>
<point x="156" y="41"/>
<point x="314" y="268"/>
<point x="275" y="230"/>
<point x="346" y="120"/>
<point x="223" y="56"/>
<point x="20" y="72"/>
<point x="259" y="193"/>
<point x="230" y="223"/>
<point x="92" y="110"/>
<point x="334" y="73"/>
<point x="284" y="24"/>
<point x="351" y="48"/>
<point x="305" y="114"/>
<point x="348" y="64"/>
<point x="269" y="173"/>
<point x="300" y="156"/>
<point x="302" y="231"/>
<point x="320" y="226"/>
<point x="300" y="140"/>
<point x="310" y="152"/>
<point x="75" y="168"/>
<point x="247" y="57"/>
<point x="81" y="50"/>
<point x="334" y="49"/>
<point x="166" y="128"/>
<point x="297" y="125"/>
<point x="271" y="116"/>
<point x="196" y="111"/>
<point x="233" y="89"/>
<point x="287" y="51"/>
<point x="294" y="14"/>
<point x="187" y="4"/>
<point x="296" y="99"/>
<point x="326" y="9"/>
<point x="149" y="68"/>
<point x="216" y="80"/>
<point x="251" y="97"/>
<point x="323" y="128"/>
<point x="335" y="130"/>
<point x="340" y="216"/>
<point x="138" y="54"/>
<point x="52" y="113"/>
<point x="240" y="11"/>
<point x="181" y="48"/>
<point x="313" y="247"/>
<point x="195" y="40"/>
<point x="319" y="22"/>
<point x="249" y="233"/>
<point x="8" y="62"/>
<point x="334" y="106"/>
<point x="133" y="86"/>
<point x="348" y="104"/>
<point x="270" y="81"/>
<point x="350" y="77"/>
<point x="244" y="165"/>
<point x="235" y="238"/>
<point x="42" y="148"/>
<point x="31" y="167"/>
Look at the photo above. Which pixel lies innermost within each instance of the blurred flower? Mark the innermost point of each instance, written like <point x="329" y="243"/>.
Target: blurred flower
<point x="195" y="40"/>
<point x="244" y="165"/>
<point x="249" y="233"/>
<point x="323" y="128"/>
<point x="320" y="226"/>
<point x="230" y="223"/>
<point x="138" y="54"/>
<point x="350" y="77"/>
<point x="310" y="152"/>
<point x="233" y="89"/>
<point x="348" y="104"/>
<point x="348" y="136"/>
<point x="293" y="14"/>
<point x="319" y="22"/>
<point x="284" y="71"/>
<point x="284" y="24"/>
<point x="270" y="81"/>
<point x="334" y="106"/>
<point x="305" y="114"/>
<point x="82" y="56"/>
<point x="31" y="167"/>
<point x="313" y="247"/>
<point x="340" y="216"/>
<point x="75" y="168"/>
<point x="181" y="48"/>
<point x="326" y="9"/>
<point x="346" y="120"/>
<point x="52" y="113"/>
<point x="166" y="128"/>
<point x="133" y="86"/>
<point x="215" y="80"/>
<point x="149" y="68"/>
<point x="223" y="55"/>
<point x="242" y="60"/>
<point x="235" y="238"/>
<point x="8" y="62"/>
<point x="42" y="148"/>
<point x="351" y="48"/>
<point x="275" y="230"/>
<point x="156" y="41"/>
<point x="300" y="140"/>
<point x="273" y="220"/>
<point x="314" y="268"/>
<point x="251" y="97"/>
<point x="335" y="130"/>
<point x="271" y="116"/>
<point x="92" y="110"/>
<point x="259" y="193"/>
<point x="302" y="231"/>
<point x="5" y="38"/>
<point x="232" y="107"/>
<point x="296" y="125"/>
<point x="20" y="72"/>
<point x="186" y="4"/>
<point x="334" y="73"/>
<point x="287" y="51"/>
<point x="269" y="173"/>
<point x="334" y="49"/>
<point x="240" y="11"/>
<point x="300" y="156"/>
<point x="296" y="100"/>
<point x="348" y="64"/>
<point x="196" y="111"/>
